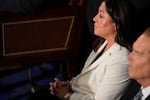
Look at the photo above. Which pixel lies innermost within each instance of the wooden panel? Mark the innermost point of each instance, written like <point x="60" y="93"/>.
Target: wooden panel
<point x="36" y="36"/>
<point x="50" y="36"/>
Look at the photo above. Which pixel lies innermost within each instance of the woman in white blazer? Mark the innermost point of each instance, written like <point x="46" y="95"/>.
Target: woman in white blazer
<point x="105" y="73"/>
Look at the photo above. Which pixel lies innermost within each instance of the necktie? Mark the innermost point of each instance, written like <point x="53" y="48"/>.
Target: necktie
<point x="138" y="96"/>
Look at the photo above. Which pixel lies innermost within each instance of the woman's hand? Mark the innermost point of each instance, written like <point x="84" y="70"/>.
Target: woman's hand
<point x="59" y="88"/>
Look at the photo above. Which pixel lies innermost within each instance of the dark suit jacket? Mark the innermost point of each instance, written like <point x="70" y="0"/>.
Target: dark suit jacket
<point x="148" y="98"/>
<point x="132" y="91"/>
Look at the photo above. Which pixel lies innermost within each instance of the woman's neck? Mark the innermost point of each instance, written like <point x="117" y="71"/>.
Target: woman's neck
<point x="109" y="44"/>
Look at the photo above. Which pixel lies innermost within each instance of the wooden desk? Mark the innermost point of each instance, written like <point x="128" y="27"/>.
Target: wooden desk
<point x="53" y="35"/>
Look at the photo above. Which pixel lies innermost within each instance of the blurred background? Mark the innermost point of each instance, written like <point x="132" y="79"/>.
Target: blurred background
<point x="22" y="73"/>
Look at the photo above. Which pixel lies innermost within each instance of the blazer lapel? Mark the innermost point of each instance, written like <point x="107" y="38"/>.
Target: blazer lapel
<point x="93" y="55"/>
<point x="89" y="65"/>
<point x="101" y="60"/>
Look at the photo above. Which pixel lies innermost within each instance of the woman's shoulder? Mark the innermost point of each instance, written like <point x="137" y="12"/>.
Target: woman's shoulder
<point x="118" y="49"/>
<point x="119" y="53"/>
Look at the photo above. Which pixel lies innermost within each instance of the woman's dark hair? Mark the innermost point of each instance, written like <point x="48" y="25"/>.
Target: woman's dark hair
<point x="131" y="18"/>
<point x="119" y="10"/>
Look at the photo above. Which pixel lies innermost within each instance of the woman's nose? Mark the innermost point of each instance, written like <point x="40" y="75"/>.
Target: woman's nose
<point x="94" y="18"/>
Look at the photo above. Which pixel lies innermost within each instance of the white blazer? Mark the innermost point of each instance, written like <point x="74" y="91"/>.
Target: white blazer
<point x="105" y="79"/>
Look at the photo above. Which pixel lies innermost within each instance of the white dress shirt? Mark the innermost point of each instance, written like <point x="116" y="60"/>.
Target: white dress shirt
<point x="146" y="92"/>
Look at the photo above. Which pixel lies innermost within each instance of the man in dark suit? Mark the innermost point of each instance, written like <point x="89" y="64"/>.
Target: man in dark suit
<point x="139" y="58"/>
<point x="139" y="66"/>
